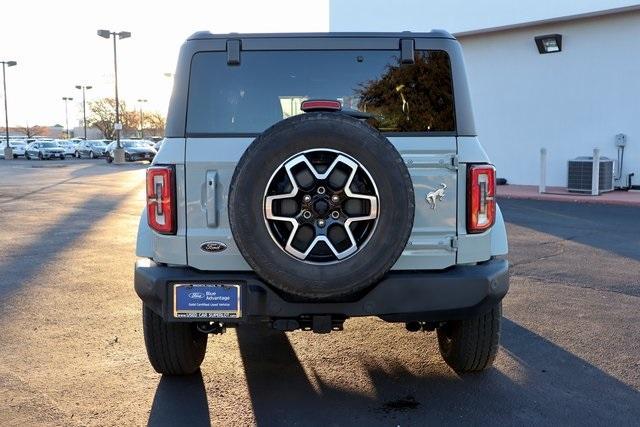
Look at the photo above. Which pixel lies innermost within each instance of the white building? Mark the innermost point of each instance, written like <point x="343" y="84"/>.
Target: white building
<point x="568" y="102"/>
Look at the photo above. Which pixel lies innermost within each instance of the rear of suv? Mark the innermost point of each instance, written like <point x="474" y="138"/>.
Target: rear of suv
<point x="309" y="178"/>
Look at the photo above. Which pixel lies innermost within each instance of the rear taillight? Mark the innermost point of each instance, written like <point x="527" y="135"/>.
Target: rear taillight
<point x="481" y="201"/>
<point x="161" y="198"/>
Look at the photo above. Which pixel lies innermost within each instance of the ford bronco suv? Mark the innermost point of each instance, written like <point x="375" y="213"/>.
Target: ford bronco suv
<point x="309" y="178"/>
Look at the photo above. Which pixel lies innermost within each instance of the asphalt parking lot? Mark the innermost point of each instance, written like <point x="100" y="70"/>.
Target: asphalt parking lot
<point x="72" y="353"/>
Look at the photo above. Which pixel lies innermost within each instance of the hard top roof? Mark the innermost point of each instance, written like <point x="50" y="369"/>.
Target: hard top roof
<point x="433" y="34"/>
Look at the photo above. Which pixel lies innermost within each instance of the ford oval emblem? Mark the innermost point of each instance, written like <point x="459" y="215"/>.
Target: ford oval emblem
<point x="213" y="246"/>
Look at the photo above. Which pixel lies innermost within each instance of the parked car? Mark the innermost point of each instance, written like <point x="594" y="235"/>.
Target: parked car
<point x="47" y="149"/>
<point x="68" y="145"/>
<point x="158" y="144"/>
<point x="18" y="147"/>
<point x="90" y="148"/>
<point x="134" y="150"/>
<point x="369" y="196"/>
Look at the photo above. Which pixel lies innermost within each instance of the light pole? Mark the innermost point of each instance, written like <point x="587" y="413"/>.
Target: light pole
<point x="66" y="112"/>
<point x="140" y="101"/>
<point x="118" y="153"/>
<point x="84" y="106"/>
<point x="8" y="152"/>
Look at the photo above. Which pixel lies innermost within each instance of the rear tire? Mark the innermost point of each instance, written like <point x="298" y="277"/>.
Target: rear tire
<point x="471" y="345"/>
<point x="172" y="348"/>
<point x="109" y="158"/>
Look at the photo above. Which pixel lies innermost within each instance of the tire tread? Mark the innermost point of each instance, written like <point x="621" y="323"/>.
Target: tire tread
<point x="471" y="345"/>
<point x="172" y="348"/>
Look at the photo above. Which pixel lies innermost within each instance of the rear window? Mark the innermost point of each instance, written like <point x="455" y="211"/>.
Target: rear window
<point x="269" y="86"/>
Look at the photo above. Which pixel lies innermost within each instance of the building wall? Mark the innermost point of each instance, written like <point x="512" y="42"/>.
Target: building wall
<point x="568" y="102"/>
<point x="456" y="16"/>
<point x="92" y="133"/>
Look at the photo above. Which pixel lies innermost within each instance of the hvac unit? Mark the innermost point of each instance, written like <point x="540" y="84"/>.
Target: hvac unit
<point x="581" y="170"/>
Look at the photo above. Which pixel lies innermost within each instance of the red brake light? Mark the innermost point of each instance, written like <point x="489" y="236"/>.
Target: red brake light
<point x="161" y="210"/>
<point x="320" y="105"/>
<point x="481" y="198"/>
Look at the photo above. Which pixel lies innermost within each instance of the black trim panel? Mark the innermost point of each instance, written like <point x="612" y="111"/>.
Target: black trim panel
<point x="458" y="292"/>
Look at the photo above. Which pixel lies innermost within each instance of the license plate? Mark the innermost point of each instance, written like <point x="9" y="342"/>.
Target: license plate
<point x="206" y="301"/>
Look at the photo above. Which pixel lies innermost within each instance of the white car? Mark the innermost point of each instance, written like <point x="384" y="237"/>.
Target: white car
<point x="44" y="149"/>
<point x="17" y="146"/>
<point x="68" y="145"/>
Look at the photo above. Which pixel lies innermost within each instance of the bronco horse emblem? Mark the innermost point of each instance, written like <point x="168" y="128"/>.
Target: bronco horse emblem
<point x="436" y="196"/>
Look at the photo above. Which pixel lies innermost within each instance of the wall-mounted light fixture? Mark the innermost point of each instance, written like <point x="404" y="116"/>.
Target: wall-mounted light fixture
<point x="551" y="43"/>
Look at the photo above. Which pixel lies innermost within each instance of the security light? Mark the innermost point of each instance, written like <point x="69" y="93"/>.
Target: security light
<point x="11" y="63"/>
<point x="124" y="34"/>
<point x="551" y="43"/>
<point x="104" y="33"/>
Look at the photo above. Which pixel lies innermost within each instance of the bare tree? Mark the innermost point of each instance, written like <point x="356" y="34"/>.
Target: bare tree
<point x="154" y="123"/>
<point x="103" y="117"/>
<point x="30" y="131"/>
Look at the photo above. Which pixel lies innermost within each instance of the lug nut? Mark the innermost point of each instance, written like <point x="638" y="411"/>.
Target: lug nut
<point x="335" y="214"/>
<point x="321" y="223"/>
<point x="306" y="198"/>
<point x="335" y="198"/>
<point x="321" y="190"/>
<point x="306" y="214"/>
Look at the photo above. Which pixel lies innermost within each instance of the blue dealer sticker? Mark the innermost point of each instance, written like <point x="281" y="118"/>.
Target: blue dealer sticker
<point x="206" y="301"/>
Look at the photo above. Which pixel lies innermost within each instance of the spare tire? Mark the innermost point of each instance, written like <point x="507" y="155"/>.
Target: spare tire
<point x="321" y="206"/>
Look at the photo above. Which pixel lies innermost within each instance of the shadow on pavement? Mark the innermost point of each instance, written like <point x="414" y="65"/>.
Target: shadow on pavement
<point x="607" y="227"/>
<point x="547" y="384"/>
<point x="25" y="260"/>
<point x="180" y="401"/>
<point x="564" y="386"/>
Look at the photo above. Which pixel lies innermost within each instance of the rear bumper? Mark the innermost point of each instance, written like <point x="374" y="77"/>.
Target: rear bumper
<point x="456" y="293"/>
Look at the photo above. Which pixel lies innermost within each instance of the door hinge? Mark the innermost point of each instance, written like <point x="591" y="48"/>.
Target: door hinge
<point x="453" y="163"/>
<point x="454" y="243"/>
<point x="234" y="47"/>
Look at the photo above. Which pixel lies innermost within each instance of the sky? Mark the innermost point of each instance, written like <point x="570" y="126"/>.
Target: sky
<point x="56" y="47"/>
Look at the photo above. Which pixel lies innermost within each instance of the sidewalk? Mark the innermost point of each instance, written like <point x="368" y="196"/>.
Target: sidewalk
<point x="560" y="194"/>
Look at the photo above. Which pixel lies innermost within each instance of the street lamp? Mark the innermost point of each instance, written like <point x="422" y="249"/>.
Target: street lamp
<point x="66" y="112"/>
<point x="8" y="152"/>
<point x="140" y="101"/>
<point x="84" y="106"/>
<point x="118" y="153"/>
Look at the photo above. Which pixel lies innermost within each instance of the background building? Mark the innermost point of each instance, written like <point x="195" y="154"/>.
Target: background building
<point x="568" y="102"/>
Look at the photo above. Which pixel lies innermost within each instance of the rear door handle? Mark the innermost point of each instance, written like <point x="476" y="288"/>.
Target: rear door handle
<point x="210" y="201"/>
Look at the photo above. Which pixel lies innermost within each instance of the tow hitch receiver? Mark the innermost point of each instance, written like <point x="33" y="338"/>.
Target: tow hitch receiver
<point x="320" y="324"/>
